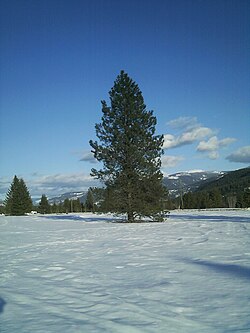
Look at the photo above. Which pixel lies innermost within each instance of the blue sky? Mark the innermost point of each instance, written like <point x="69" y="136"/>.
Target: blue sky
<point x="59" y="59"/>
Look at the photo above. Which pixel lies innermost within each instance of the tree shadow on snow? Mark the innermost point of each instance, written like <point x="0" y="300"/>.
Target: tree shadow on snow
<point x="97" y="218"/>
<point x="2" y="304"/>
<point x="81" y="218"/>
<point x="230" y="269"/>
<point x="211" y="218"/>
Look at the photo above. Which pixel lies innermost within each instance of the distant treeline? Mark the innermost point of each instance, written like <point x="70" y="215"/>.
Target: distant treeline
<point x="230" y="191"/>
<point x="18" y="202"/>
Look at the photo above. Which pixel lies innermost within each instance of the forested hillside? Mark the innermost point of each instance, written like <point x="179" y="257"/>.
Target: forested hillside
<point x="232" y="190"/>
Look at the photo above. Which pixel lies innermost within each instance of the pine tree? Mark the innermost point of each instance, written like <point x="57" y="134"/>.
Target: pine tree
<point x="18" y="200"/>
<point x="11" y="196"/>
<point x="25" y="197"/>
<point x="54" y="208"/>
<point x="89" y="203"/>
<point x="130" y="152"/>
<point x="216" y="198"/>
<point x="67" y="206"/>
<point x="44" y="206"/>
<point x="77" y="207"/>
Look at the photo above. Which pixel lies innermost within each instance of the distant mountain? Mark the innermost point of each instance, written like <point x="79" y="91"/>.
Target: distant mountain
<point x="233" y="182"/>
<point x="189" y="181"/>
<point x="183" y="182"/>
<point x="69" y="195"/>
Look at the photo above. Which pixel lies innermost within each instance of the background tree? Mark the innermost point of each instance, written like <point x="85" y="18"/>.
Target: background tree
<point x="77" y="206"/>
<point x="18" y="200"/>
<point x="44" y="206"/>
<point x="67" y="205"/>
<point x="130" y="152"/>
<point x="89" y="203"/>
<point x="54" y="208"/>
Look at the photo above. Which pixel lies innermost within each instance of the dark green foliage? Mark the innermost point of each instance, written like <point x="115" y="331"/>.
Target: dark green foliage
<point x="44" y="206"/>
<point x="233" y="188"/>
<point x="18" y="200"/>
<point x="67" y="206"/>
<point x="233" y="182"/>
<point x="89" y="203"/>
<point x="203" y="200"/>
<point x="130" y="152"/>
<point x="230" y="191"/>
<point x="76" y="205"/>
<point x="98" y="197"/>
<point x="2" y="209"/>
<point x="55" y="208"/>
<point x="61" y="208"/>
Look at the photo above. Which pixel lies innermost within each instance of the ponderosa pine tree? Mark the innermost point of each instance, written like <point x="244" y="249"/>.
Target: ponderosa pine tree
<point x="18" y="200"/>
<point x="130" y="152"/>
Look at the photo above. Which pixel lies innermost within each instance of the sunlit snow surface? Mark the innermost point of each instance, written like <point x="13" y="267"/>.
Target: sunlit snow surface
<point x="88" y="273"/>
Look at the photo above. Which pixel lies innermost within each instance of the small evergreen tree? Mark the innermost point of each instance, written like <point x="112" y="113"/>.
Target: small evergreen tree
<point x="216" y="198"/>
<point x="18" y="200"/>
<point x="130" y="152"/>
<point x="60" y="207"/>
<point x="67" y="206"/>
<point x="25" y="197"/>
<point x="77" y="207"/>
<point x="54" y="208"/>
<point x="11" y="196"/>
<point x="44" y="206"/>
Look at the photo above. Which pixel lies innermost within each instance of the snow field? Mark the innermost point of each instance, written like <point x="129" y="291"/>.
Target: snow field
<point x="87" y="273"/>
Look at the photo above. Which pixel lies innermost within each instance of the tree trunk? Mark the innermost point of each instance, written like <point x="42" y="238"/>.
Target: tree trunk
<point x="130" y="212"/>
<point x="131" y="217"/>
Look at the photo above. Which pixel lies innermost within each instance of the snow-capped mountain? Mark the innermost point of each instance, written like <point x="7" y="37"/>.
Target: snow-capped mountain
<point x="182" y="182"/>
<point x="69" y="195"/>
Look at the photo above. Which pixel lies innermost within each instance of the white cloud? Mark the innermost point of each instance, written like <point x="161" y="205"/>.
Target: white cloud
<point x="210" y="145"/>
<point x="194" y="132"/>
<point x="214" y="144"/>
<point x="169" y="141"/>
<point x="170" y="161"/>
<point x="60" y="183"/>
<point x="4" y="186"/>
<point x="188" y="137"/>
<point x="52" y="185"/>
<point x="242" y="155"/>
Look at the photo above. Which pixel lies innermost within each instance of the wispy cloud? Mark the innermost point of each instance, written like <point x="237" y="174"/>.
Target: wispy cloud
<point x="52" y="185"/>
<point x="242" y="155"/>
<point x="213" y="155"/>
<point x="88" y="157"/>
<point x="183" y="122"/>
<point x="4" y="186"/>
<point x="60" y="183"/>
<point x="170" y="161"/>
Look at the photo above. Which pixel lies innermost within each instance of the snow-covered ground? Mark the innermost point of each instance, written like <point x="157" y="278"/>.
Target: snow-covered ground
<point x="83" y="273"/>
